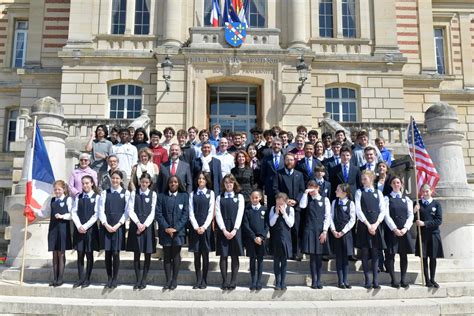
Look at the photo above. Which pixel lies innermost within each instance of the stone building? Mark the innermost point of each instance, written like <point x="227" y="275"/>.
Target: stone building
<point x="371" y="63"/>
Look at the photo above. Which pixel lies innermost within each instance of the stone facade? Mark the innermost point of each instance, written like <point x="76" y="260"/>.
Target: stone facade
<point x="72" y="56"/>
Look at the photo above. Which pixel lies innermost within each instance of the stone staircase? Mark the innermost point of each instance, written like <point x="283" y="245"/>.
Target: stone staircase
<point x="455" y="296"/>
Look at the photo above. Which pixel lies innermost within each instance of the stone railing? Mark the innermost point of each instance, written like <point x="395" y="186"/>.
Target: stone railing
<point x="83" y="128"/>
<point x="125" y="42"/>
<point x="213" y="37"/>
<point x="342" y="46"/>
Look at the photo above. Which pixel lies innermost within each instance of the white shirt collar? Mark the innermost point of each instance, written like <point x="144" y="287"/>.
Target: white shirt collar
<point x="369" y="188"/>
<point x="394" y="194"/>
<point x="62" y="197"/>
<point x="119" y="190"/>
<point x="173" y="194"/>
<point x="344" y="200"/>
<point x="318" y="198"/>
<point x="204" y="191"/>
<point x="145" y="192"/>
<point x="231" y="194"/>
<point x="256" y="206"/>
<point x="89" y="194"/>
<point x="290" y="171"/>
<point x="429" y="200"/>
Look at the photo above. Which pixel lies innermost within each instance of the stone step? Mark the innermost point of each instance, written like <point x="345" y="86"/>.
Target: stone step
<point x="72" y="306"/>
<point x="186" y="293"/>
<point x="157" y="277"/>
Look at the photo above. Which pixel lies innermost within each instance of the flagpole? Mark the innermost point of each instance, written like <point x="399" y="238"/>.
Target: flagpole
<point x="22" y="271"/>
<point x="420" y="244"/>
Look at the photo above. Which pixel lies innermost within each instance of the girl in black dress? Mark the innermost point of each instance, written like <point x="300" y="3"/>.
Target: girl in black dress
<point x="254" y="164"/>
<point x="398" y="238"/>
<point x="281" y="218"/>
<point x="317" y="211"/>
<point x="342" y="220"/>
<point x="230" y="207"/>
<point x="244" y="175"/>
<point x="431" y="217"/>
<point x="172" y="214"/>
<point x="86" y="233"/>
<point x="370" y="210"/>
<point x="201" y="213"/>
<point x="255" y="228"/>
<point x="59" y="234"/>
<point x="113" y="206"/>
<point x="141" y="234"/>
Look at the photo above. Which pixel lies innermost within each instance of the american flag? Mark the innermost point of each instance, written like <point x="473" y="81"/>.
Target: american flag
<point x="425" y="169"/>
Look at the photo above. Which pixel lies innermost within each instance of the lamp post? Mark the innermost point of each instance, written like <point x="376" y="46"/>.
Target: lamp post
<point x="167" y="67"/>
<point x="302" y="69"/>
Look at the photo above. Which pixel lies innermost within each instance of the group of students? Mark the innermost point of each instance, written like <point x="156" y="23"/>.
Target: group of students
<point x="302" y="211"/>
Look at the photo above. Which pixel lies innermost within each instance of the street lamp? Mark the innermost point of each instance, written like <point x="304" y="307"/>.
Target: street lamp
<point x="302" y="69"/>
<point x="167" y="67"/>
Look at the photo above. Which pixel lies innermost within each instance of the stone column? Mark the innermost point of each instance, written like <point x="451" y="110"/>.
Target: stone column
<point x="466" y="50"/>
<point x="385" y="26"/>
<point x="297" y="24"/>
<point x="35" y="34"/>
<point x="427" y="49"/>
<point x="80" y="29"/>
<point x="443" y="142"/>
<point x="172" y="26"/>
<point x="50" y="115"/>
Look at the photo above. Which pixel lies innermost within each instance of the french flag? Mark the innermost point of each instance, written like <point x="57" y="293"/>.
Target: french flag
<point x="40" y="177"/>
<point x="215" y="13"/>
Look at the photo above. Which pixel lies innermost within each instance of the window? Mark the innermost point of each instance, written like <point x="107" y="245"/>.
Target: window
<point x="119" y="14"/>
<point x="348" y="18"/>
<point x="342" y="104"/>
<point x="11" y="128"/>
<point x="142" y="17"/>
<point x="207" y="12"/>
<point x="19" y="44"/>
<point x="125" y="101"/>
<point x="257" y="13"/>
<point x="439" y="50"/>
<point x="325" y="18"/>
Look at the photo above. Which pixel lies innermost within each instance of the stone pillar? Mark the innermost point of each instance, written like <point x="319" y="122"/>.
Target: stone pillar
<point x="466" y="50"/>
<point x="50" y="115"/>
<point x="443" y="142"/>
<point x="427" y="48"/>
<point x="35" y="34"/>
<point x="385" y="26"/>
<point x="173" y="27"/>
<point x="80" y="29"/>
<point x="297" y="24"/>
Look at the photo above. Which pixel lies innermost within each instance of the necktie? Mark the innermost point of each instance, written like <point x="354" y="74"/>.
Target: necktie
<point x="85" y="196"/>
<point x="370" y="190"/>
<point x="200" y="192"/>
<point x="345" y="173"/>
<point x="398" y="196"/>
<point x="115" y="192"/>
<point x="341" y="203"/>
<point x="173" y="168"/>
<point x="229" y="195"/>
<point x="425" y="202"/>
<point x="308" y="167"/>
<point x="276" y="162"/>
<point x="337" y="160"/>
<point x="369" y="166"/>
<point x="320" y="182"/>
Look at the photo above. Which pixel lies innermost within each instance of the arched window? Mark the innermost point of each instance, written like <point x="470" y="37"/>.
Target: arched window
<point x="125" y="101"/>
<point x="342" y="104"/>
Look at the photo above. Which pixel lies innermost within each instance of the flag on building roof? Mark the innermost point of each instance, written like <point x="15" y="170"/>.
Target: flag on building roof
<point x="229" y="15"/>
<point x="425" y="169"/>
<point x="40" y="177"/>
<point x="215" y="13"/>
<point x="244" y="11"/>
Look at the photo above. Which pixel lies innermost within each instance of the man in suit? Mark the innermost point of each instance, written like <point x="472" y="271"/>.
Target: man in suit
<point x="291" y="182"/>
<point x="333" y="161"/>
<point x="370" y="159"/>
<point x="307" y="166"/>
<point x="269" y="168"/>
<point x="345" y="172"/>
<point x="187" y="151"/>
<point x="175" y="167"/>
<point x="210" y="165"/>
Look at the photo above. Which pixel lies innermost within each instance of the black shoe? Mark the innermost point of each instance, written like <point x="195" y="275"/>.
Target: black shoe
<point x="395" y="285"/>
<point x="166" y="287"/>
<point x="319" y="286"/>
<point x="435" y="284"/>
<point x="59" y="283"/>
<point x="283" y="286"/>
<point x="174" y="285"/>
<point x="114" y="284"/>
<point x="367" y="286"/>
<point x="376" y="286"/>
<point x="429" y="284"/>
<point x="348" y="286"/>
<point x="314" y="286"/>
<point x="196" y="286"/>
<point x="258" y="287"/>
<point x="253" y="287"/>
<point x="224" y="286"/>
<point x="341" y="286"/>
<point x="352" y="258"/>
<point x="404" y="285"/>
<point x="136" y="286"/>
<point x="77" y="284"/>
<point x="143" y="285"/>
<point x="52" y="283"/>
<point x="108" y="285"/>
<point x="231" y="286"/>
<point x="203" y="285"/>
<point x="86" y="283"/>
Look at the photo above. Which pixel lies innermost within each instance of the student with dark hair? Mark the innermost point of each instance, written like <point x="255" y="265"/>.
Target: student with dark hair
<point x="160" y="154"/>
<point x="126" y="152"/>
<point x="140" y="138"/>
<point x="172" y="214"/>
<point x="113" y="206"/>
<point x="84" y="214"/>
<point x="100" y="148"/>
<point x="168" y="133"/>
<point x="201" y="212"/>
<point x="141" y="234"/>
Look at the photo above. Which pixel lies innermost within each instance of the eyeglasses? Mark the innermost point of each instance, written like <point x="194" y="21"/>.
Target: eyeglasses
<point x="83" y="159"/>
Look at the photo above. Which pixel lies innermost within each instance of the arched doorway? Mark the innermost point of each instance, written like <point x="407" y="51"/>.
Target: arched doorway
<point x="234" y="106"/>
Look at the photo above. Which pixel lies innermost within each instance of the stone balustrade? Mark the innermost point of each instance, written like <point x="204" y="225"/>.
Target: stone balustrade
<point x="125" y="42"/>
<point x="83" y="127"/>
<point x="213" y="37"/>
<point x="343" y="46"/>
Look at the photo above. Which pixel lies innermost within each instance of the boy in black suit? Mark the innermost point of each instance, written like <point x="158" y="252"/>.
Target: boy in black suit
<point x="345" y="173"/>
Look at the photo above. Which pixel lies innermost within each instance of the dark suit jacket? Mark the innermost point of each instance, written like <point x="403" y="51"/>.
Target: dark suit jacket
<point x="215" y="174"/>
<point x="301" y="166"/>
<point x="188" y="154"/>
<point x="338" y="178"/>
<point x="292" y="185"/>
<point x="329" y="163"/>
<point x="171" y="212"/>
<point x="267" y="173"/>
<point x="387" y="188"/>
<point x="325" y="189"/>
<point x="183" y="172"/>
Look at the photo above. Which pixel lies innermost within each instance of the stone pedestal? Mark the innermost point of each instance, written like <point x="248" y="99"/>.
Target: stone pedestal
<point x="50" y="116"/>
<point x="443" y="142"/>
